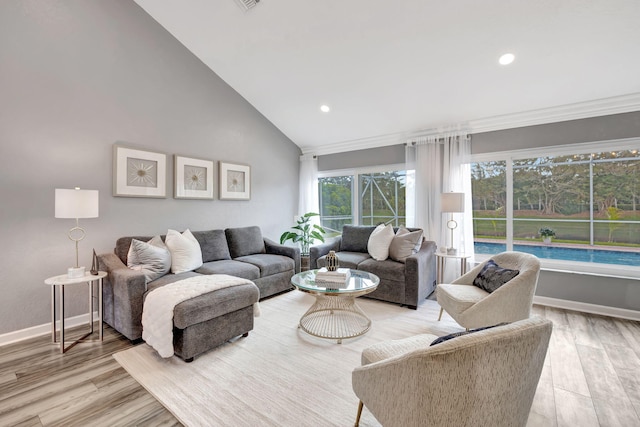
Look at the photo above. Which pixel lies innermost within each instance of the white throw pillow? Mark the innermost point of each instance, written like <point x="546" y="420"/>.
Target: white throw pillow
<point x="379" y="241"/>
<point x="151" y="258"/>
<point x="186" y="254"/>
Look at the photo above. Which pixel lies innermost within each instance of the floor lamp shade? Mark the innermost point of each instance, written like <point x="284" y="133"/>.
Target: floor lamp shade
<point x="452" y="203"/>
<point x="76" y="204"/>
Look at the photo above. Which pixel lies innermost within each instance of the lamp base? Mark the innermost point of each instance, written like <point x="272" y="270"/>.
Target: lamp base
<point x="75" y="272"/>
<point x="452" y="251"/>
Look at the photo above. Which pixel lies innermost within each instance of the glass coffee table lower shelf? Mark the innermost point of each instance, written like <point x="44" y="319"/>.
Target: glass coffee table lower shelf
<point x="335" y="314"/>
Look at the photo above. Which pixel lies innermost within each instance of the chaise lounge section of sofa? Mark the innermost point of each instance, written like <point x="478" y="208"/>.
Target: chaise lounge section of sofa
<point x="407" y="283"/>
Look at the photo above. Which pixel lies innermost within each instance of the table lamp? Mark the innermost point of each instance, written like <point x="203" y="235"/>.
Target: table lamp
<point x="452" y="203"/>
<point x="76" y="204"/>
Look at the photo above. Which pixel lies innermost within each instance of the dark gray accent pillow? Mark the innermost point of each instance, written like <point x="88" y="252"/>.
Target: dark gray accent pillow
<point x="245" y="241"/>
<point x="213" y="244"/>
<point x="355" y="238"/>
<point x="459" y="334"/>
<point x="492" y="276"/>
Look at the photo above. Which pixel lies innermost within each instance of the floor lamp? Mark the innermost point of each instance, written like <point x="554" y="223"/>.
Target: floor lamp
<point x="76" y="203"/>
<point x="452" y="203"/>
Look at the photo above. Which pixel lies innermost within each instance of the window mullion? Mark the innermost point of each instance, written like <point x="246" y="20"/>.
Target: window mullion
<point x="509" y="203"/>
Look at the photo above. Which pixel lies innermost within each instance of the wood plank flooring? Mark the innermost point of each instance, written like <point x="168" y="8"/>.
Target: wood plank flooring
<point x="591" y="377"/>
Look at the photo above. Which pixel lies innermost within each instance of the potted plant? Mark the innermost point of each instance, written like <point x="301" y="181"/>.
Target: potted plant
<point x="547" y="233"/>
<point x="304" y="232"/>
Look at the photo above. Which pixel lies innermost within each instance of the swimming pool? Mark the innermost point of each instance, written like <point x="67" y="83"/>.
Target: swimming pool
<point x="568" y="254"/>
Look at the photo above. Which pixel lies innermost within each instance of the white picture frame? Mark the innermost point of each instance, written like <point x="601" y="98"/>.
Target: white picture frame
<point x="235" y="181"/>
<point x="139" y="173"/>
<point x="193" y="178"/>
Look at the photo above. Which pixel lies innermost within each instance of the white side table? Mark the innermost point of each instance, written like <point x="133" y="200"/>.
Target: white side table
<point x="62" y="281"/>
<point x="441" y="258"/>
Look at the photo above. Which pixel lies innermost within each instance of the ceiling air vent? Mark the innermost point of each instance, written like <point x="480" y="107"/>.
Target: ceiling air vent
<point x="247" y="4"/>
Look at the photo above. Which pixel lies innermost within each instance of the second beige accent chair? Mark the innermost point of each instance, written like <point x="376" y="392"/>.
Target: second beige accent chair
<point x="473" y="307"/>
<point x="484" y="378"/>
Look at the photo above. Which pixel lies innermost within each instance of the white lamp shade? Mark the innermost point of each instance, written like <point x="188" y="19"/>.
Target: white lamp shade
<point x="452" y="202"/>
<point x="76" y="203"/>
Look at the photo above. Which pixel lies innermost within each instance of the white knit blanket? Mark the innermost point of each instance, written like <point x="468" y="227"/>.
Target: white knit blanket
<point x="157" y="312"/>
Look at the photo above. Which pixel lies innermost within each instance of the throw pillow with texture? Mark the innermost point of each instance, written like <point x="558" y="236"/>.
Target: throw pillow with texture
<point x="492" y="276"/>
<point x="186" y="254"/>
<point x="379" y="242"/>
<point x="404" y="244"/>
<point x="151" y="258"/>
<point x="459" y="334"/>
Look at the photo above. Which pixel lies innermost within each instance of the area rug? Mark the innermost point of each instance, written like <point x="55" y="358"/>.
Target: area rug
<point x="278" y="375"/>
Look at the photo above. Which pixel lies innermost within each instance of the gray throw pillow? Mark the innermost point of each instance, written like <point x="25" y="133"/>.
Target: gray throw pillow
<point x="151" y="258"/>
<point x="492" y="276"/>
<point x="404" y="244"/>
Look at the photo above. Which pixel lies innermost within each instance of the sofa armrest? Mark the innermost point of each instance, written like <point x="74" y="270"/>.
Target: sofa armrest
<point x="277" y="249"/>
<point x="123" y="292"/>
<point x="318" y="251"/>
<point x="420" y="274"/>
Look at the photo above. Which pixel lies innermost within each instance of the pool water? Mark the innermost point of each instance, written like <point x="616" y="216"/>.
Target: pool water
<point x="568" y="254"/>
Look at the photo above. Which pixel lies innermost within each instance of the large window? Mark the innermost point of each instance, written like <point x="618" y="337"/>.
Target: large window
<point x="364" y="197"/>
<point x="589" y="198"/>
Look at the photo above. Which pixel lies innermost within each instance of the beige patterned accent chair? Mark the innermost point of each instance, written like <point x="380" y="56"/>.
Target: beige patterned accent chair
<point x="473" y="307"/>
<point x="484" y="378"/>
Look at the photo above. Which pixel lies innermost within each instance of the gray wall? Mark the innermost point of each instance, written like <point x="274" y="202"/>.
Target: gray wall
<point x="77" y="76"/>
<point x="620" y="293"/>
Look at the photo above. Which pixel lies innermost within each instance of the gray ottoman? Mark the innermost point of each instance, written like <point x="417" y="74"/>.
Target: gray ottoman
<point x="211" y="319"/>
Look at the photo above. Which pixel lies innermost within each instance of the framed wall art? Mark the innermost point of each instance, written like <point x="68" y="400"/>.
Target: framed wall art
<point x="193" y="178"/>
<point x="235" y="181"/>
<point x="139" y="173"/>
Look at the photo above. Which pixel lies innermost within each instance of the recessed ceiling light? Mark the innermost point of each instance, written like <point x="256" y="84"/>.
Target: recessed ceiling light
<point x="506" y="59"/>
<point x="325" y="108"/>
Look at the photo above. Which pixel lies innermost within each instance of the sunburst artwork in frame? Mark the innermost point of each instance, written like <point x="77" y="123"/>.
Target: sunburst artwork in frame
<point x="193" y="178"/>
<point x="235" y="181"/>
<point x="139" y="173"/>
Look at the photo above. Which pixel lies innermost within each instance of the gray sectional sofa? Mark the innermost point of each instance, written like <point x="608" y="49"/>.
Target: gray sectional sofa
<point x="407" y="283"/>
<point x="241" y="252"/>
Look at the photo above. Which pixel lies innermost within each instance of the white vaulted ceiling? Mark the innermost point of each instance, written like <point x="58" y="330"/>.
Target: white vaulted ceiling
<point x="389" y="68"/>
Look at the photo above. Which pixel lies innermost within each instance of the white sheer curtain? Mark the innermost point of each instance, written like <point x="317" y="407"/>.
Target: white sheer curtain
<point x="308" y="198"/>
<point x="440" y="164"/>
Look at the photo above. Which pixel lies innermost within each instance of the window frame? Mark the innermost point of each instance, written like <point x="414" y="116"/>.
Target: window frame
<point x="355" y="191"/>
<point x="611" y="270"/>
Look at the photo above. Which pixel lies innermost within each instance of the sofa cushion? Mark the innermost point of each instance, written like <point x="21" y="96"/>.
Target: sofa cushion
<point x="232" y="268"/>
<point x="269" y="264"/>
<point x="214" y="304"/>
<point x="169" y="278"/>
<point x="186" y="254"/>
<point x="388" y="269"/>
<point x="245" y="241"/>
<point x="459" y="297"/>
<point x="492" y="276"/>
<point x="213" y="244"/>
<point x="124" y="243"/>
<point x="346" y="259"/>
<point x="355" y="238"/>
<point x="379" y="242"/>
<point x="404" y="244"/>
<point x="152" y="258"/>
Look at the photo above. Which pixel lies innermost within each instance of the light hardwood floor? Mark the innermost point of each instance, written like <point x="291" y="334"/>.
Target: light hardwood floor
<point x="591" y="377"/>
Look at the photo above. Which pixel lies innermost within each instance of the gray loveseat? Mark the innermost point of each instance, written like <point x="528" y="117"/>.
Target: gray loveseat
<point x="407" y="283"/>
<point x="240" y="252"/>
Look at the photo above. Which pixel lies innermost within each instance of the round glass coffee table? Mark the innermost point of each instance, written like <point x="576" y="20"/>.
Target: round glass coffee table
<point x="335" y="314"/>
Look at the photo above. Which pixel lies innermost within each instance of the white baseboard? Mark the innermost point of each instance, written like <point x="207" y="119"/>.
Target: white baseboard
<point x="36" y="331"/>
<point x="603" y="310"/>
